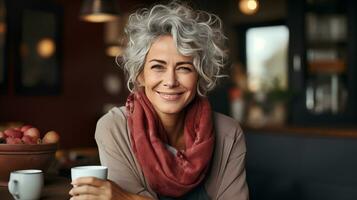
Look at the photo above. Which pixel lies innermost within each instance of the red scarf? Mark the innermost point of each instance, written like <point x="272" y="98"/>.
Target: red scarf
<point x="168" y="174"/>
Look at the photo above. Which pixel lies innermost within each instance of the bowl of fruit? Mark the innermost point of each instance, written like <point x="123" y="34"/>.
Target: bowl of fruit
<point x="24" y="148"/>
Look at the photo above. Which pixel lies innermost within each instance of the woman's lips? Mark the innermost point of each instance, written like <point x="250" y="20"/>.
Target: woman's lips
<point x="170" y="96"/>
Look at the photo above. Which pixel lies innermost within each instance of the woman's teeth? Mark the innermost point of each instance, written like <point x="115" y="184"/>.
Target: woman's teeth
<point x="169" y="97"/>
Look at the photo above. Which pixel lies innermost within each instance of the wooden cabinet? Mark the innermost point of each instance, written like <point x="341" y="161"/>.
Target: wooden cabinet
<point x="322" y="61"/>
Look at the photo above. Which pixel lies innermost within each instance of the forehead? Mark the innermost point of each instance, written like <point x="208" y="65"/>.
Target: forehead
<point x="164" y="48"/>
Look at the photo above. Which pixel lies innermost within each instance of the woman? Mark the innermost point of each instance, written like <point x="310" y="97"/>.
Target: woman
<point x="166" y="143"/>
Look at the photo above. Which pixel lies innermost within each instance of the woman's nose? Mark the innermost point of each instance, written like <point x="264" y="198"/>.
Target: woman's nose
<point x="170" y="80"/>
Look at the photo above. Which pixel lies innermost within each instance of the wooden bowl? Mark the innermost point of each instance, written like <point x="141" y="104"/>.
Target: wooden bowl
<point x="24" y="156"/>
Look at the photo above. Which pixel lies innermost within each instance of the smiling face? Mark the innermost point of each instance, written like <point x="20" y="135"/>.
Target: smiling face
<point x="169" y="78"/>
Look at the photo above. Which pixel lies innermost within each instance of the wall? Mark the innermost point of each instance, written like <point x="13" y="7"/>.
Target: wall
<point x="74" y="112"/>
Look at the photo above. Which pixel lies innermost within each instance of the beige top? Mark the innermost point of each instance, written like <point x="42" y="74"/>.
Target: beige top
<point x="225" y="180"/>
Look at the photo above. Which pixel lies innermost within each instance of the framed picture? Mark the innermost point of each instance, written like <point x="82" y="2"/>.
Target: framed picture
<point x="37" y="67"/>
<point x="3" y="43"/>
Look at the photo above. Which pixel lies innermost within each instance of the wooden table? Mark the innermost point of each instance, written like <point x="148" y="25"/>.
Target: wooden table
<point x="342" y="132"/>
<point x="56" y="188"/>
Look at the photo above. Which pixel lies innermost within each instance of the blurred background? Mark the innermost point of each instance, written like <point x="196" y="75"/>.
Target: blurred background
<point x="292" y="85"/>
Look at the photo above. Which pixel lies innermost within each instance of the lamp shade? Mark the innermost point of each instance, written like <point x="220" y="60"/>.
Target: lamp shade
<point x="98" y="10"/>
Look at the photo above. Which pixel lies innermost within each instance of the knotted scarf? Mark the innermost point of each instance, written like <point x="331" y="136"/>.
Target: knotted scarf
<point x="170" y="174"/>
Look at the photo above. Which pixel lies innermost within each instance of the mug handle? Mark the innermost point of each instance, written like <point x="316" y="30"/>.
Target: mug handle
<point x="13" y="188"/>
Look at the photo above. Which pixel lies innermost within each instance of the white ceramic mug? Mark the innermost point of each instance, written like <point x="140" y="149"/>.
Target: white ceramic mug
<point x="26" y="184"/>
<point x="97" y="171"/>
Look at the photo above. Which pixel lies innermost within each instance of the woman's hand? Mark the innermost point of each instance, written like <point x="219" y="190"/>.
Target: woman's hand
<point x="94" y="188"/>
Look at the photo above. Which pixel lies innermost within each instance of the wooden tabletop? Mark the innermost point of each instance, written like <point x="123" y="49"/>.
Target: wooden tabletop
<point x="307" y="131"/>
<point x="56" y="188"/>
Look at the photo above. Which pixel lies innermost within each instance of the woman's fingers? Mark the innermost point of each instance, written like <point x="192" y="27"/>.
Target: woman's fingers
<point x="84" y="189"/>
<point x="88" y="181"/>
<point x="92" y="188"/>
<point x="84" y="197"/>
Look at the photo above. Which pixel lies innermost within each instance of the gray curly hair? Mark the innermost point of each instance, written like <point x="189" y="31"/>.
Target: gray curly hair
<point x="196" y="33"/>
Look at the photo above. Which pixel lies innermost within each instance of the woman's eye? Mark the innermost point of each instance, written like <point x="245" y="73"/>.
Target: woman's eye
<point x="185" y="69"/>
<point x="157" y="67"/>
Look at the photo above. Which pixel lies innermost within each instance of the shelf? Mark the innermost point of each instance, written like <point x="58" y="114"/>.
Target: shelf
<point x="327" y="66"/>
<point x="327" y="43"/>
<point x="321" y="50"/>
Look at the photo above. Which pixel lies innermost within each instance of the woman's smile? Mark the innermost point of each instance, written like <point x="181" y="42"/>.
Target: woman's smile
<point x="170" y="96"/>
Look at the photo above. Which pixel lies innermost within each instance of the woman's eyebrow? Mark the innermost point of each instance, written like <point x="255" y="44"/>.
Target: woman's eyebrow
<point x="156" y="60"/>
<point x="184" y="62"/>
<point x="178" y="63"/>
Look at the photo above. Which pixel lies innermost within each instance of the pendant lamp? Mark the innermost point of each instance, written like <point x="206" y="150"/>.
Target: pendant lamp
<point x="99" y="10"/>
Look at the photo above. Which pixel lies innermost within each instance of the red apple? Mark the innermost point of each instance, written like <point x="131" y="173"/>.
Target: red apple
<point x="2" y="135"/>
<point x="2" y="138"/>
<point x="11" y="140"/>
<point x="13" y="133"/>
<point x="34" y="133"/>
<point x="17" y="128"/>
<point x="25" y="128"/>
<point x="51" y="137"/>
<point x="28" y="140"/>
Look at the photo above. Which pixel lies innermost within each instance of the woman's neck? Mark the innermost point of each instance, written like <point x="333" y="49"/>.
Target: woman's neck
<point x="174" y="127"/>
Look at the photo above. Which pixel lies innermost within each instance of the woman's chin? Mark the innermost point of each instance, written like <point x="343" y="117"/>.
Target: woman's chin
<point x="170" y="110"/>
